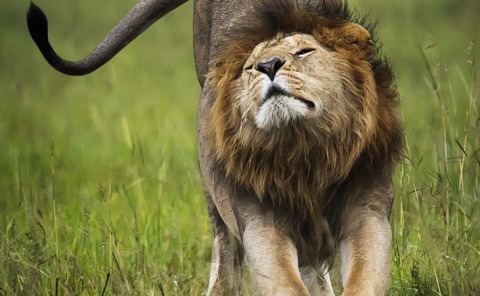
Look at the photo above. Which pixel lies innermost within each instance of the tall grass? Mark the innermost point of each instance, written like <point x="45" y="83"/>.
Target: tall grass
<point x="436" y="217"/>
<point x="99" y="187"/>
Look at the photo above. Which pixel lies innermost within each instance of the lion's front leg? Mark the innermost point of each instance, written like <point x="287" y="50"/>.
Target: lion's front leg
<point x="271" y="256"/>
<point x="365" y="247"/>
<point x="366" y="258"/>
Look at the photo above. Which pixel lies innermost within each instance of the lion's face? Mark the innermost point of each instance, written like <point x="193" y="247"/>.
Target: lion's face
<point x="289" y="79"/>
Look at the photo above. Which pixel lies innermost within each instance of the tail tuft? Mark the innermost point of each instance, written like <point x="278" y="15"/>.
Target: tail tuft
<point x="38" y="26"/>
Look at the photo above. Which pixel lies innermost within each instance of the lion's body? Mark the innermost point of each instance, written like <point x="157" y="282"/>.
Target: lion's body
<point x="303" y="131"/>
<point x="297" y="140"/>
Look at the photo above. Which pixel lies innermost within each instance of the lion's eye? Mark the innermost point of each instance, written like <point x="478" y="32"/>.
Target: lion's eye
<point x="248" y="67"/>
<point x="304" y="52"/>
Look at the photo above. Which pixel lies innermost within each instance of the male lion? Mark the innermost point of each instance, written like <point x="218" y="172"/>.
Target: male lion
<point x="297" y="135"/>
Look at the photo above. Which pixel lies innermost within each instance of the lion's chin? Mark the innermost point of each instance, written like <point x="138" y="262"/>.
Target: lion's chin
<point x="280" y="110"/>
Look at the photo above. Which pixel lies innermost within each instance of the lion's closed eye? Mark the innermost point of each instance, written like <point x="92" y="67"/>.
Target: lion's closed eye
<point x="304" y="52"/>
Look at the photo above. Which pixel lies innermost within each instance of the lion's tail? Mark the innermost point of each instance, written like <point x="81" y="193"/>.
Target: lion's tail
<point x="137" y="20"/>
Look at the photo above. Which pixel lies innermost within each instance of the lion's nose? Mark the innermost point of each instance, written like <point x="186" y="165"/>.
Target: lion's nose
<point x="270" y="66"/>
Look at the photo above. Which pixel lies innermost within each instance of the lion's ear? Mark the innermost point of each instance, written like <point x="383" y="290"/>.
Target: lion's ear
<point x="350" y="37"/>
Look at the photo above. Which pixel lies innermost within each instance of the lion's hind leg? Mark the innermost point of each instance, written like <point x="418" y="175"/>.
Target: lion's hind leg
<point x="317" y="280"/>
<point x="227" y="255"/>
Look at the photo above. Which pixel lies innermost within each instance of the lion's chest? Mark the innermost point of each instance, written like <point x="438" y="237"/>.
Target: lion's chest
<point x="286" y="174"/>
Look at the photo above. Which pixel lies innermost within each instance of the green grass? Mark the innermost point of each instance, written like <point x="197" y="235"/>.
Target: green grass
<point x="99" y="186"/>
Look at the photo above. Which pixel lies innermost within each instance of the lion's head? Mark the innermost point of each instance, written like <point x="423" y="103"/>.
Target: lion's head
<point x="301" y="102"/>
<point x="293" y="80"/>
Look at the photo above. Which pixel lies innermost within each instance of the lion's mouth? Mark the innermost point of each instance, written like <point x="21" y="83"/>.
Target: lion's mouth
<point x="276" y="90"/>
<point x="280" y="107"/>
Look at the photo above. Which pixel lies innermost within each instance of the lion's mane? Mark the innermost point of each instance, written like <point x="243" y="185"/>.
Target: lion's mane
<point x="305" y="166"/>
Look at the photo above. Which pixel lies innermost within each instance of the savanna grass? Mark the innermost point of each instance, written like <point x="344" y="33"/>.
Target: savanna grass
<point x="437" y="214"/>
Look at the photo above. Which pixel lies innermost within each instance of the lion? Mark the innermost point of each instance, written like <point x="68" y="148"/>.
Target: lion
<point x="304" y="127"/>
<point x="297" y="136"/>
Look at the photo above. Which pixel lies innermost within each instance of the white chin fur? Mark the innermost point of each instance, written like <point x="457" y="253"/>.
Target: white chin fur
<point x="278" y="111"/>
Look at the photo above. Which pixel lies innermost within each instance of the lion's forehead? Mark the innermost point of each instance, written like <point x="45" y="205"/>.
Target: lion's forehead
<point x="286" y="44"/>
<point x="295" y="41"/>
<point x="300" y="40"/>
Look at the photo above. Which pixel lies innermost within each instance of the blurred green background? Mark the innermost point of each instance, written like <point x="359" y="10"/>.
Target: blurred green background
<point x="99" y="187"/>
